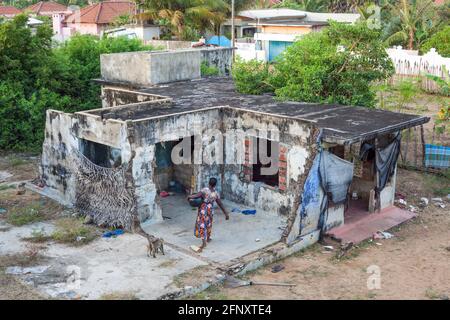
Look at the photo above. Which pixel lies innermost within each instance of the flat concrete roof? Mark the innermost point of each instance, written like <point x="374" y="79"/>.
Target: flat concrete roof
<point x="340" y="124"/>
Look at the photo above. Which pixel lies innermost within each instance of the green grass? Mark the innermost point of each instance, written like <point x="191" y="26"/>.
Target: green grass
<point x="432" y="294"/>
<point x="15" y="161"/>
<point x="68" y="230"/>
<point x="438" y="184"/>
<point x="4" y="187"/>
<point x="31" y="213"/>
<point x="212" y="293"/>
<point x="206" y="70"/>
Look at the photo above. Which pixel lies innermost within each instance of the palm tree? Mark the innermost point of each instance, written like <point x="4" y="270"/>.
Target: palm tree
<point x="200" y="15"/>
<point x="413" y="24"/>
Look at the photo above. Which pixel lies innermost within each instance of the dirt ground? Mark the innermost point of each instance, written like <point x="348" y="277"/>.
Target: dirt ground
<point x="415" y="264"/>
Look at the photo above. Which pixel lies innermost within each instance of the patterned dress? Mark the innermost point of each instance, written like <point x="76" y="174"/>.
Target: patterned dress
<point x="203" y="224"/>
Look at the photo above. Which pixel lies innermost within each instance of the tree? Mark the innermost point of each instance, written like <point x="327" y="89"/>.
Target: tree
<point x="440" y="41"/>
<point x="34" y="77"/>
<point x="336" y="65"/>
<point x="306" y="5"/>
<point x="413" y="22"/>
<point x="180" y="15"/>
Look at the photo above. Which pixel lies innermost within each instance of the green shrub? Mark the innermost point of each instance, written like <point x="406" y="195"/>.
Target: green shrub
<point x="336" y="65"/>
<point x="251" y="77"/>
<point x="20" y="216"/>
<point x="207" y="71"/>
<point x="73" y="231"/>
<point x="34" y="76"/>
<point x="440" y="41"/>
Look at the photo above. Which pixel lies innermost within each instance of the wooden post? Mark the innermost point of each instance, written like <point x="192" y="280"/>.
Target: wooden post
<point x="415" y="147"/>
<point x="422" y="140"/>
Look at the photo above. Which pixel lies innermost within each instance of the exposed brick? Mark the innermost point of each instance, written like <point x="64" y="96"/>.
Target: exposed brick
<point x="282" y="164"/>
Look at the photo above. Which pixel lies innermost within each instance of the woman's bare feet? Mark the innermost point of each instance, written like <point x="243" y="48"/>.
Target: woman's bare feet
<point x="208" y="240"/>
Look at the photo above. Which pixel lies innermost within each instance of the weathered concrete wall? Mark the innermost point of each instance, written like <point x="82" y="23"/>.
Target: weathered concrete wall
<point x="152" y="67"/>
<point x="147" y="68"/>
<point x="293" y="136"/>
<point x="169" y="66"/>
<point x="132" y="67"/>
<point x="169" y="44"/>
<point x="113" y="97"/>
<point x="221" y="58"/>
<point x="151" y="131"/>
<point x="62" y="134"/>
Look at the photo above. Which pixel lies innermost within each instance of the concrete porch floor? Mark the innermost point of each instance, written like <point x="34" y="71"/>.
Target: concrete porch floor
<point x="239" y="236"/>
<point x="360" y="225"/>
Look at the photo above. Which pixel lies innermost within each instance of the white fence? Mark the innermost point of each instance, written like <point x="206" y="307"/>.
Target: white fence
<point x="409" y="64"/>
<point x="247" y="51"/>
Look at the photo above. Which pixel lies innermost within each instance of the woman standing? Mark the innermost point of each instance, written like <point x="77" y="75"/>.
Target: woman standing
<point x="203" y="224"/>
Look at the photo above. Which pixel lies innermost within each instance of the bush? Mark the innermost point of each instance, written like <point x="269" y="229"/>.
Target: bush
<point x="73" y="231"/>
<point x="35" y="77"/>
<point x="25" y="215"/>
<point x="207" y="71"/>
<point x="251" y="77"/>
<point x="336" y="65"/>
<point x="440" y="41"/>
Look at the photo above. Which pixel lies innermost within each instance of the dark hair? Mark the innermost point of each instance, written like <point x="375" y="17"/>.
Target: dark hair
<point x="212" y="182"/>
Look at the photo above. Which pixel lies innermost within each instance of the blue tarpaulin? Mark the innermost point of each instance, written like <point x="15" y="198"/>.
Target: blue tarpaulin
<point x="220" y="41"/>
<point x="328" y="176"/>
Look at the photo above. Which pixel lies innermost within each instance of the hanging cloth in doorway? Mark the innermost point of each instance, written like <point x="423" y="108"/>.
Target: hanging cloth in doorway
<point x="336" y="175"/>
<point x="386" y="161"/>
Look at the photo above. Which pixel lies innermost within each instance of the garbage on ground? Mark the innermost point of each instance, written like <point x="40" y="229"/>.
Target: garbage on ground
<point x="328" y="248"/>
<point x="195" y="248"/>
<point x="424" y="201"/>
<point x="27" y="270"/>
<point x="401" y="202"/>
<point x="113" y="233"/>
<point x="164" y="194"/>
<point x="438" y="202"/>
<point x="246" y="211"/>
<point x="382" y="235"/>
<point x="2" y="210"/>
<point x="257" y="240"/>
<point x="412" y="208"/>
<point x="277" y="268"/>
<point x="79" y="238"/>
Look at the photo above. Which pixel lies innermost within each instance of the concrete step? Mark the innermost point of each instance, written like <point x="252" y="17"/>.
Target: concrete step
<point x="363" y="229"/>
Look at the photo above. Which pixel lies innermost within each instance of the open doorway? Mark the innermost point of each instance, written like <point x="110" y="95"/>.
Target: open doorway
<point x="174" y="181"/>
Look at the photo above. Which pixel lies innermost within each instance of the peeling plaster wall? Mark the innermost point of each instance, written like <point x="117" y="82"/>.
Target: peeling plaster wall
<point x="151" y="67"/>
<point x="292" y="134"/>
<point x="62" y="133"/>
<point x="152" y="131"/>
<point x="221" y="58"/>
<point x="112" y="97"/>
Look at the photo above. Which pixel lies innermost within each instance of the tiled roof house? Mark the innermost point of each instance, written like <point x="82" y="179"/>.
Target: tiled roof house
<point x="9" y="11"/>
<point x="46" y="8"/>
<point x="95" y="18"/>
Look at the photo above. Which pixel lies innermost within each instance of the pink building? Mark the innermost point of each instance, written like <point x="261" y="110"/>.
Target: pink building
<point x="97" y="17"/>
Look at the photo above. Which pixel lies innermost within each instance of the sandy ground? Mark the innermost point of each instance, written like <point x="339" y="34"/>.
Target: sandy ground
<point x="415" y="264"/>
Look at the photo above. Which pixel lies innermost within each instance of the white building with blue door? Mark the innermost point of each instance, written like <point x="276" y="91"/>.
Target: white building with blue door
<point x="276" y="29"/>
